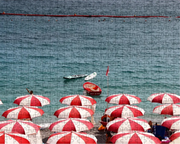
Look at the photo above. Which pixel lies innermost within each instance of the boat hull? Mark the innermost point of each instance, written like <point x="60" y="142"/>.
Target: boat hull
<point x="75" y="76"/>
<point x="92" y="89"/>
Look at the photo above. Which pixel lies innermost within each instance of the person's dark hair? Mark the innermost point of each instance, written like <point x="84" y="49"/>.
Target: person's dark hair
<point x="31" y="92"/>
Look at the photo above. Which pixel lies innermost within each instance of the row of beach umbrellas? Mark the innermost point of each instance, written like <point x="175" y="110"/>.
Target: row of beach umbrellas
<point x="73" y="120"/>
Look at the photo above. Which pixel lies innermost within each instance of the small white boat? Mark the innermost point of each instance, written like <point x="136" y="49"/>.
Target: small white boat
<point x="75" y="76"/>
<point x="91" y="76"/>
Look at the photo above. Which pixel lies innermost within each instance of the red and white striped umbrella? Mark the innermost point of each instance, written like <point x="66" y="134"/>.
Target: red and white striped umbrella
<point x="164" y="98"/>
<point x="32" y="100"/>
<point x="123" y="99"/>
<point x="78" y="100"/>
<point x="71" y="138"/>
<point x="167" y="109"/>
<point x="135" y="137"/>
<point x="124" y="111"/>
<point x="73" y="112"/>
<point x="172" y="123"/>
<point x="23" y="112"/>
<point x="12" y="138"/>
<point x="71" y="124"/>
<point x="123" y="124"/>
<point x="19" y="126"/>
<point x="175" y="135"/>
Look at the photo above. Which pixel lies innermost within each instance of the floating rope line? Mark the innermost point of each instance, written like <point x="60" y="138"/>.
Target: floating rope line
<point x="75" y="15"/>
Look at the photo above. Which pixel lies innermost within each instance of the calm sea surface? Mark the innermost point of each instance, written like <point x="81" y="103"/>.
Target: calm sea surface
<point x="36" y="52"/>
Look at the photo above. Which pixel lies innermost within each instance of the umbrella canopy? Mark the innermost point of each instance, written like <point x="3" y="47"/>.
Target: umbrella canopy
<point x="175" y="136"/>
<point x="123" y="99"/>
<point x="167" y="109"/>
<point x="123" y="124"/>
<point x="124" y="111"/>
<point x="12" y="138"/>
<point x="176" y="141"/>
<point x="164" y="98"/>
<point x="134" y="137"/>
<point x="172" y="123"/>
<point x="19" y="126"/>
<point x="73" y="112"/>
<point x="71" y="124"/>
<point x="23" y="112"/>
<point x="32" y="100"/>
<point x="71" y="138"/>
<point x="78" y="100"/>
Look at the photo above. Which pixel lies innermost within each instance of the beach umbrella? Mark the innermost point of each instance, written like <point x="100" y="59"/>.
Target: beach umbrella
<point x="78" y="100"/>
<point x="127" y="124"/>
<point x="71" y="124"/>
<point x="164" y="98"/>
<point x="124" y="111"/>
<point x="23" y="112"/>
<point x="176" y="141"/>
<point x="71" y="138"/>
<point x="135" y="137"/>
<point x="32" y="100"/>
<point x="172" y="123"/>
<point x="19" y="126"/>
<point x="175" y="135"/>
<point x="12" y="138"/>
<point x="167" y="109"/>
<point x="73" y="112"/>
<point x="123" y="99"/>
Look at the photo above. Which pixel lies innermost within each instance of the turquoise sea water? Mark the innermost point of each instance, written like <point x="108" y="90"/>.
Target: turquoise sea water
<point x="36" y="52"/>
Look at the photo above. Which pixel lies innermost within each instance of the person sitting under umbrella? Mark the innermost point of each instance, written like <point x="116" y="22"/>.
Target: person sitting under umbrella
<point x="30" y="92"/>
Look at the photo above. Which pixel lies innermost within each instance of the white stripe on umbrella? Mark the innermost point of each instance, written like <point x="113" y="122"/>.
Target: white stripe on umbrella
<point x="71" y="124"/>
<point x="125" y="111"/>
<point x="73" y="112"/>
<point x="123" y="99"/>
<point x="123" y="124"/>
<point x="135" y="137"/>
<point x="23" y="112"/>
<point x="32" y="100"/>
<point x="167" y="109"/>
<point x="19" y="126"/>
<point x="12" y="138"/>
<point x="79" y="100"/>
<point x="164" y="98"/>
<point x="172" y="123"/>
<point x="71" y="138"/>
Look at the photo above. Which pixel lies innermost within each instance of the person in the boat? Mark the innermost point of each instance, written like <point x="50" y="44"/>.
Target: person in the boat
<point x="30" y="92"/>
<point x="108" y="137"/>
